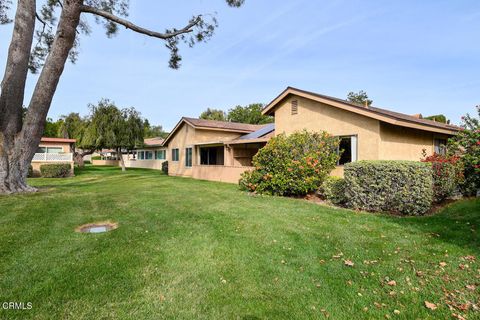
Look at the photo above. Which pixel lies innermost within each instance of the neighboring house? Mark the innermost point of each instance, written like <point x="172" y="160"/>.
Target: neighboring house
<point x="221" y="151"/>
<point x="53" y="150"/>
<point x="214" y="150"/>
<point x="367" y="133"/>
<point x="150" y="156"/>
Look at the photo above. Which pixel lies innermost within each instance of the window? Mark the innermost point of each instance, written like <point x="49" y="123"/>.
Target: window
<point x="148" y="155"/>
<point x="160" y="155"/>
<point x="211" y="155"/>
<point x="49" y="150"/>
<point x="175" y="154"/>
<point x="294" y="106"/>
<point x="440" y="146"/>
<point x="141" y="155"/>
<point x="348" y="149"/>
<point x="188" y="157"/>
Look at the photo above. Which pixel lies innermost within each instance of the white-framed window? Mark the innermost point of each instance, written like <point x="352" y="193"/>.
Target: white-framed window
<point x="148" y="155"/>
<point x="347" y="149"/>
<point x="160" y="154"/>
<point x="141" y="155"/>
<point x="188" y="157"/>
<point x="175" y="154"/>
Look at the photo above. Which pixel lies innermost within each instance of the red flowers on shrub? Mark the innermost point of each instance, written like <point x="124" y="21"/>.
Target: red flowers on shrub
<point x="447" y="174"/>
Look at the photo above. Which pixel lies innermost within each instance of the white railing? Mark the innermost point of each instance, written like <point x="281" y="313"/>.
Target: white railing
<point x="53" y="157"/>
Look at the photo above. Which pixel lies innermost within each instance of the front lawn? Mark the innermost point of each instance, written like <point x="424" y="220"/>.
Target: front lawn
<point x="189" y="249"/>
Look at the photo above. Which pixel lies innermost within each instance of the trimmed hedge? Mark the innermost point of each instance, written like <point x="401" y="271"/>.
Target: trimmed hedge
<point x="96" y="158"/>
<point x="57" y="170"/>
<point x="333" y="190"/>
<point x="30" y="171"/>
<point x="404" y="187"/>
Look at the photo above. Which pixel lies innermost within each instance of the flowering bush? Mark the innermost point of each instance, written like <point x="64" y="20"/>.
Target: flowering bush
<point x="466" y="144"/>
<point x="292" y="165"/>
<point x="447" y="175"/>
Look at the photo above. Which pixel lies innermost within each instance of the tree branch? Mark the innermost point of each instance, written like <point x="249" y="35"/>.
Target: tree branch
<point x="129" y="25"/>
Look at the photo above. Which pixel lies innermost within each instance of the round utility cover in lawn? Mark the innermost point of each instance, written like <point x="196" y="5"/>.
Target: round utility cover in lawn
<point x="97" y="227"/>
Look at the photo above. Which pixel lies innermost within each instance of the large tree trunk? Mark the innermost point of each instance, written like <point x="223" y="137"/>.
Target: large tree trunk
<point x="13" y="170"/>
<point x="18" y="143"/>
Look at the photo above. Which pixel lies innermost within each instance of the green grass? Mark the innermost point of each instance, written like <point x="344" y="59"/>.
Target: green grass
<point x="189" y="249"/>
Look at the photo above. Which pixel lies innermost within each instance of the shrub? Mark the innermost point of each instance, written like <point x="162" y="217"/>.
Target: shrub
<point x="57" y="170"/>
<point x="466" y="144"/>
<point x="87" y="162"/>
<point x="333" y="190"/>
<point x="165" y="167"/>
<point x="292" y="165"/>
<point x="96" y="158"/>
<point x="396" y="186"/>
<point x="30" y="171"/>
<point x="447" y="174"/>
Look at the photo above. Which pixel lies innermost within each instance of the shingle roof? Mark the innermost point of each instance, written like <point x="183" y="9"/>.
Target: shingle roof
<point x="157" y="141"/>
<point x="373" y="110"/>
<point x="214" y="124"/>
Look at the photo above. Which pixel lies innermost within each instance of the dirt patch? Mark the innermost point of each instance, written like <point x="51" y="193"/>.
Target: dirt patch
<point x="97" y="227"/>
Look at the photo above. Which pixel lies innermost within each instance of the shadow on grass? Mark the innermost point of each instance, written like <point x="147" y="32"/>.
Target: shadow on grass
<point x="457" y="224"/>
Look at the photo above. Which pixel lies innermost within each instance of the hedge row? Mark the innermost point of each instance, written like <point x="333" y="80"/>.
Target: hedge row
<point x="57" y="170"/>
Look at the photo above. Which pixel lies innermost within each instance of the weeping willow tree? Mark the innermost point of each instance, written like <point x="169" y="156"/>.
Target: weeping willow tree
<point x="114" y="128"/>
<point x="45" y="36"/>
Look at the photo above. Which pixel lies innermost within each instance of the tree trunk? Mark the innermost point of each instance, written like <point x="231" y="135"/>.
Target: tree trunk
<point x="18" y="143"/>
<point x="122" y="163"/>
<point x="78" y="157"/>
<point x="13" y="170"/>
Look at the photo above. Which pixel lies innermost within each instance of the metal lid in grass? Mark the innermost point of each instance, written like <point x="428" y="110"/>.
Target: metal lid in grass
<point x="97" y="227"/>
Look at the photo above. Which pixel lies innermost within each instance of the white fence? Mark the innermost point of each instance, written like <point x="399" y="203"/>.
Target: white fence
<point x="53" y="157"/>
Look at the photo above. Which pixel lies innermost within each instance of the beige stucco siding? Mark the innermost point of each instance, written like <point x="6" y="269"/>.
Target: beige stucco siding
<point x="187" y="136"/>
<point x="399" y="143"/>
<point x="316" y="116"/>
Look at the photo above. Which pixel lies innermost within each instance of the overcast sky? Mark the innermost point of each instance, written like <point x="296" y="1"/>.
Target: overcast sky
<point x="410" y="56"/>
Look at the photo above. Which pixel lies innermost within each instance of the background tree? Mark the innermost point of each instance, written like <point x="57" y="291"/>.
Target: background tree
<point x="52" y="128"/>
<point x="438" y="117"/>
<point x="153" y="131"/>
<point x="213" y="114"/>
<point x="57" y="34"/>
<point x="466" y="144"/>
<point x="113" y="128"/>
<point x="249" y="114"/>
<point x="359" y="97"/>
<point x="76" y="127"/>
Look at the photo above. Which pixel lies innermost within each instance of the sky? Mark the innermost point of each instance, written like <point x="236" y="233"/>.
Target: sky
<point x="409" y="56"/>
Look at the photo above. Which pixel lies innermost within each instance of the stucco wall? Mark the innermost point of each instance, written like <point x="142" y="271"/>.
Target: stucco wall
<point x="147" y="164"/>
<point x="399" y="143"/>
<point x="316" y="116"/>
<point x="187" y="136"/>
<point x="105" y="162"/>
<point x="219" y="173"/>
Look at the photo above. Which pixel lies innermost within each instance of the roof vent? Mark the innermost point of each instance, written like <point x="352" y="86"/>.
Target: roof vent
<point x="294" y="106"/>
<point x="417" y="115"/>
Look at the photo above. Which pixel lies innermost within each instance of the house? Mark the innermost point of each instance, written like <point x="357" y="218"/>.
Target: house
<point x="214" y="150"/>
<point x="53" y="150"/>
<point x="367" y="133"/>
<point x="150" y="156"/>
